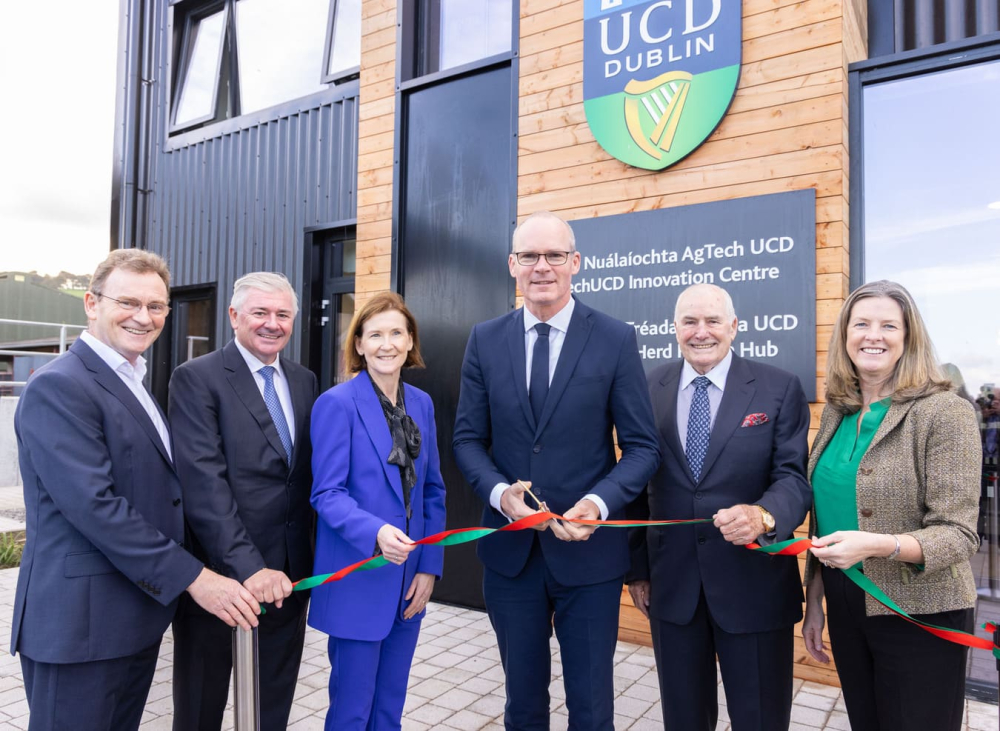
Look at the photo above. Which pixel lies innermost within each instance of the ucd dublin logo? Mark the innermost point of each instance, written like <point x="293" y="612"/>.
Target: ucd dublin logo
<point x="658" y="76"/>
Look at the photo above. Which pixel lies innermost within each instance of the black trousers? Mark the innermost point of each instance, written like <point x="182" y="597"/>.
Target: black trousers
<point x="203" y="663"/>
<point x="894" y="674"/>
<point x="756" y="674"/>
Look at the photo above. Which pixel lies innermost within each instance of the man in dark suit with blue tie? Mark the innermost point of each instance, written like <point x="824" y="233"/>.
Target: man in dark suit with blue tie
<point x="542" y="389"/>
<point x="733" y="435"/>
<point x="103" y="564"/>
<point x="240" y="418"/>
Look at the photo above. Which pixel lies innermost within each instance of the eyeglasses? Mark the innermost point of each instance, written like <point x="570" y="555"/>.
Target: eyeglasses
<point x="155" y="309"/>
<point x="530" y="258"/>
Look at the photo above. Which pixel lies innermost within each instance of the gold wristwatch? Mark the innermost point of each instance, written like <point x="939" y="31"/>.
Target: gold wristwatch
<point x="768" y="519"/>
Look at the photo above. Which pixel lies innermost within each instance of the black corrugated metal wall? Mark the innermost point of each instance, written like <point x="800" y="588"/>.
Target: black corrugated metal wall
<point x="218" y="205"/>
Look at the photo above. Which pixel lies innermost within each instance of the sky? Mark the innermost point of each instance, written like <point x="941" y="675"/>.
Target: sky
<point x="57" y="90"/>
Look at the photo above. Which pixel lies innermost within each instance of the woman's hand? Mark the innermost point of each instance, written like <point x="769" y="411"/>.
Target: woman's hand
<point x="812" y="625"/>
<point x="418" y="594"/>
<point x="394" y="543"/>
<point x="844" y="548"/>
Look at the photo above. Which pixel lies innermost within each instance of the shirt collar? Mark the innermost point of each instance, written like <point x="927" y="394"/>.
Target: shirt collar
<point x="560" y="320"/>
<point x="717" y="375"/>
<point x="115" y="360"/>
<point x="254" y="363"/>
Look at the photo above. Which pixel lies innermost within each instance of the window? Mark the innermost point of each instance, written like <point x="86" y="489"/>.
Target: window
<point x="240" y="56"/>
<point x="457" y="32"/>
<point x="344" y="52"/>
<point x="931" y="221"/>
<point x="206" y="36"/>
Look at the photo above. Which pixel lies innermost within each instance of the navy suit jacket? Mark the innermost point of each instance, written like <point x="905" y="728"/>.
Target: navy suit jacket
<point x="248" y="509"/>
<point x="103" y="565"/>
<point x="598" y="385"/>
<point x="763" y="464"/>
<point x="355" y="492"/>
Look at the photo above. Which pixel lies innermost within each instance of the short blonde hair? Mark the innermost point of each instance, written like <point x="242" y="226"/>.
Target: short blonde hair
<point x="381" y="302"/>
<point x="916" y="373"/>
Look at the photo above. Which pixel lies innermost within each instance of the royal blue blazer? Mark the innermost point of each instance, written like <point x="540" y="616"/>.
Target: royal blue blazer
<point x="355" y="492"/>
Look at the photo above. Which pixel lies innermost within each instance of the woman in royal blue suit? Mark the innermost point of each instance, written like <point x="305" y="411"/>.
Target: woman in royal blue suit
<point x="377" y="488"/>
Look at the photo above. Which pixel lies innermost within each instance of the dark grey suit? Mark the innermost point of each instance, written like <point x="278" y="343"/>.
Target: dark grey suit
<point x="247" y="509"/>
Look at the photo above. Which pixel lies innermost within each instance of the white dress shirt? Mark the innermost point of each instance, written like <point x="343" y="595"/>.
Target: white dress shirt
<point x="132" y="378"/>
<point x="557" y="336"/>
<point x="280" y="384"/>
<point x="685" y="393"/>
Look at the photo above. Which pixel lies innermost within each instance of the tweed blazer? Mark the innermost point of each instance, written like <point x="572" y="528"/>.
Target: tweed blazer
<point x="920" y="476"/>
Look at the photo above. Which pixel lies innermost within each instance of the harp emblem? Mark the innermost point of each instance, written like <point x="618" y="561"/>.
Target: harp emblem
<point x="657" y="103"/>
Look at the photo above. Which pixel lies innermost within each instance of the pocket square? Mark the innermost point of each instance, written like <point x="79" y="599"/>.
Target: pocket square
<point x="754" y="420"/>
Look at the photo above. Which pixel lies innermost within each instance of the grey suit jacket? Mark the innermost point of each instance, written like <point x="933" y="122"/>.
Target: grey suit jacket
<point x="920" y="476"/>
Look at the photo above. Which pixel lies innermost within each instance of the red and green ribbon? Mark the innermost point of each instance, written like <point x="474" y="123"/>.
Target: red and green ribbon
<point x="791" y="547"/>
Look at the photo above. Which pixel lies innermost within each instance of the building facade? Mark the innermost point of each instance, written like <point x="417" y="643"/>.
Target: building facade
<point x="361" y="146"/>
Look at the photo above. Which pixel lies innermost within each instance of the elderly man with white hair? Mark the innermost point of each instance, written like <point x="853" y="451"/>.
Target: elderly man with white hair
<point x="733" y="436"/>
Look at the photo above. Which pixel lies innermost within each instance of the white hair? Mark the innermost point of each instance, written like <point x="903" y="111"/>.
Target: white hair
<point x="263" y="282"/>
<point x="727" y="301"/>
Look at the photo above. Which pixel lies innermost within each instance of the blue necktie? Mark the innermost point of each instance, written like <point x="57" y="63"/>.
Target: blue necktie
<point x="699" y="427"/>
<point x="538" y="389"/>
<point x="277" y="414"/>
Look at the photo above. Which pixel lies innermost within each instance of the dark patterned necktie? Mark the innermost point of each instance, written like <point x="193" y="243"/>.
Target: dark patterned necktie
<point x="538" y="389"/>
<point x="699" y="427"/>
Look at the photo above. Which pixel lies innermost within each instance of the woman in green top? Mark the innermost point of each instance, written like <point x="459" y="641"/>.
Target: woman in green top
<point x="895" y="477"/>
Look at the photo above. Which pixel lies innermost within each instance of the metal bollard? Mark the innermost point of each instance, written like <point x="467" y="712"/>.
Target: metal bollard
<point x="246" y="680"/>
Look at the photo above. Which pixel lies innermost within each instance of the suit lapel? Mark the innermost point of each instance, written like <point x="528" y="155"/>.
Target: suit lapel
<point x="373" y="419"/>
<point x="518" y="363"/>
<point x="243" y="383"/>
<point x="298" y="386"/>
<point x="827" y="428"/>
<point x="111" y="382"/>
<point x="576" y="340"/>
<point x="736" y="398"/>
<point x="892" y="419"/>
<point x="665" y="404"/>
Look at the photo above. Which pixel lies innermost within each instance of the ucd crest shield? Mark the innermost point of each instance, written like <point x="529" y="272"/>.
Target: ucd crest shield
<point x="658" y="75"/>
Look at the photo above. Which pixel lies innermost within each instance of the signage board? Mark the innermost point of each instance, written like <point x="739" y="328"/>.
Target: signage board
<point x="762" y="250"/>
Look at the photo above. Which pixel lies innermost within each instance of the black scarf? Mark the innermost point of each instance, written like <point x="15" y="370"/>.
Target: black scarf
<point x="405" y="441"/>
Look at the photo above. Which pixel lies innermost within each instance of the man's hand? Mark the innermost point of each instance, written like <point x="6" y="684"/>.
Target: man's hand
<point x="566" y="531"/>
<point x="740" y="524"/>
<point x="418" y="594"/>
<point x="640" y="591"/>
<point x="513" y="505"/>
<point x="395" y="544"/>
<point x="269" y="586"/>
<point x="225" y="598"/>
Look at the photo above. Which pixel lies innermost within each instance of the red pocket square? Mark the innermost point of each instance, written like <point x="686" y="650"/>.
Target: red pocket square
<point x="754" y="420"/>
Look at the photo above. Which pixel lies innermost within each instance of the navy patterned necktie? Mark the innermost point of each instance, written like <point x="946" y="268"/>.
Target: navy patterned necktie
<point x="699" y="427"/>
<point x="277" y="413"/>
<point x="538" y="389"/>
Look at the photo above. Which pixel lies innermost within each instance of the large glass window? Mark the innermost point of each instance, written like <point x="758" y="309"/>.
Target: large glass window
<point x="240" y="56"/>
<point x="280" y="50"/>
<point x="931" y="183"/>
<point x="457" y="32"/>
<point x="206" y="36"/>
